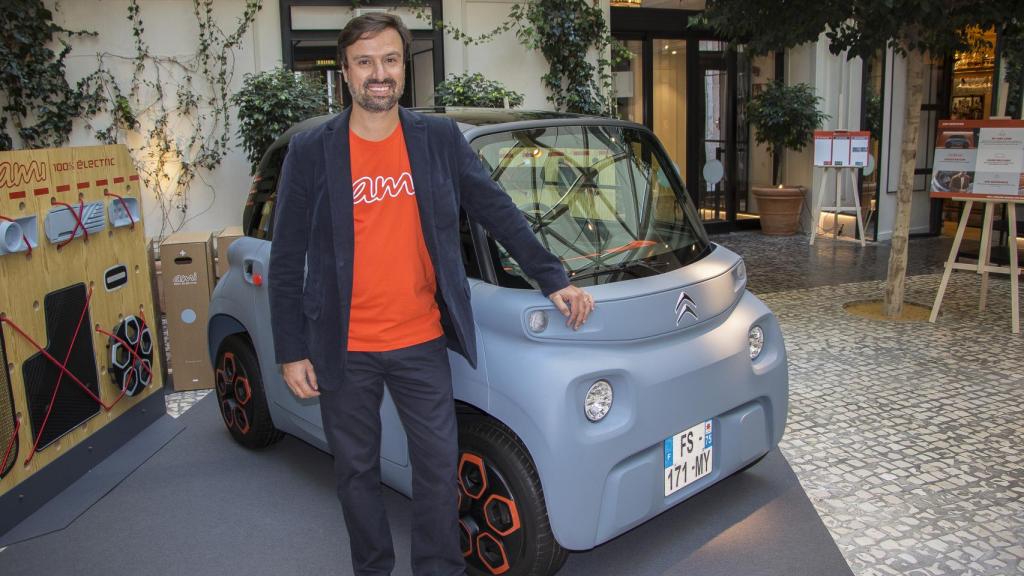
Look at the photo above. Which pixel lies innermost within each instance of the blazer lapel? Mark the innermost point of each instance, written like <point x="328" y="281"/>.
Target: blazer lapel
<point x="339" y="185"/>
<point x="415" y="132"/>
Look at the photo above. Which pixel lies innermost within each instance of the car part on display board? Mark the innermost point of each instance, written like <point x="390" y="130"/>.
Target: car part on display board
<point x="61" y="296"/>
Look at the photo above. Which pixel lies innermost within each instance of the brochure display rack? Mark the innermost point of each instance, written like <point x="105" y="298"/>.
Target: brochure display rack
<point x="840" y="153"/>
<point x="981" y="161"/>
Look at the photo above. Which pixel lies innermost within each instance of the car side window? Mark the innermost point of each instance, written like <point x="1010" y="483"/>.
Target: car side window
<point x="469" y="259"/>
<point x="259" y="208"/>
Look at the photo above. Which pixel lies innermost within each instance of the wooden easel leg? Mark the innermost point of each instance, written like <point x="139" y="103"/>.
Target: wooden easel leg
<point x="856" y="203"/>
<point x="951" y="260"/>
<point x="984" y="253"/>
<point x="1014" y="271"/>
<point x="816" y="215"/>
<point x="838" y="203"/>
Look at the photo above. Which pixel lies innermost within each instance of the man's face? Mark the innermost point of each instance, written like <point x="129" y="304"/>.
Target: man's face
<point x="375" y="71"/>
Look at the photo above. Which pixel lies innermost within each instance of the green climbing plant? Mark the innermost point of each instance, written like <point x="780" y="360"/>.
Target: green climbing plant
<point x="173" y="113"/>
<point x="565" y="32"/>
<point x="39" y="104"/>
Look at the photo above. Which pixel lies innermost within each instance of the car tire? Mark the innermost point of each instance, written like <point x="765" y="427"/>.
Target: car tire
<point x="240" y="394"/>
<point x="503" y="520"/>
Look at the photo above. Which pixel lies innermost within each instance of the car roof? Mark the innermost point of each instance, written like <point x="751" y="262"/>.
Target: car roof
<point x="472" y="121"/>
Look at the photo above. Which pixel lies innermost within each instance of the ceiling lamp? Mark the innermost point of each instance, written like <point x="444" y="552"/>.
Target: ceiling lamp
<point x="625" y="3"/>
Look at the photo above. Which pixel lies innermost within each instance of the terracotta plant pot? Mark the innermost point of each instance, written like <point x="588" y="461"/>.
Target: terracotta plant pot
<point x="779" y="208"/>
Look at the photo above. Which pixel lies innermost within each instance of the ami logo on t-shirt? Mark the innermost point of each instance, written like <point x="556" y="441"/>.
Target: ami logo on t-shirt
<point x="367" y="190"/>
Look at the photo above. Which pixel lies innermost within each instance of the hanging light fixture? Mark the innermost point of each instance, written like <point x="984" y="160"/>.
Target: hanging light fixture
<point x="625" y="3"/>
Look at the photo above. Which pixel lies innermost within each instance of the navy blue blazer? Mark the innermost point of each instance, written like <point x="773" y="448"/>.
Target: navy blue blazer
<point x="310" y="274"/>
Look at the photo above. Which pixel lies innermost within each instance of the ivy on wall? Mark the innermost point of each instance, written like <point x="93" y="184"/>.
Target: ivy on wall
<point x="173" y="112"/>
<point x="39" y="105"/>
<point x="564" y="32"/>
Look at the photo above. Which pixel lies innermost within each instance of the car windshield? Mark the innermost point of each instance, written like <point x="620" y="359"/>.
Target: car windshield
<point x="600" y="198"/>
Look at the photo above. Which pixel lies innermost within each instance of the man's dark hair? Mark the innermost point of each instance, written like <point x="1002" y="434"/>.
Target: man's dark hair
<point x="371" y="24"/>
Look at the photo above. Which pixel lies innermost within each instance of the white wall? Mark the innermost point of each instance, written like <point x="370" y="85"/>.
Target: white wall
<point x="503" y="59"/>
<point x="171" y="30"/>
<point x="891" y="153"/>
<point x="215" y="200"/>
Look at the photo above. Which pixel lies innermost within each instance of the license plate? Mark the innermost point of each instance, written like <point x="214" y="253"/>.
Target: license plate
<point x="687" y="457"/>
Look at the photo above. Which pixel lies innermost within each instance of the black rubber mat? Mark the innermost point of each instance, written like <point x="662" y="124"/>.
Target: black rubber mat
<point x="7" y="414"/>
<point x="73" y="406"/>
<point x="222" y="509"/>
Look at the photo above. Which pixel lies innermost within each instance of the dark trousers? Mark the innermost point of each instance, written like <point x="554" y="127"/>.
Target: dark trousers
<point x="419" y="379"/>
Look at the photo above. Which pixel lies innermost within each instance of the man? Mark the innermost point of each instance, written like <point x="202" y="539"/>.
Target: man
<point x="368" y="208"/>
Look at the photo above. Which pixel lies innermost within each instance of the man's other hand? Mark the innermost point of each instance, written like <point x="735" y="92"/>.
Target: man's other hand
<point x="574" y="303"/>
<point x="299" y="376"/>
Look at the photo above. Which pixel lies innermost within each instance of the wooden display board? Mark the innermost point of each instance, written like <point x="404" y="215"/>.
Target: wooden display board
<point x="981" y="161"/>
<point x="79" y="210"/>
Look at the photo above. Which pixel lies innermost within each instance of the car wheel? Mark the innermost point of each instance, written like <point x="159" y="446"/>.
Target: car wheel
<point x="240" y="395"/>
<point x="503" y="520"/>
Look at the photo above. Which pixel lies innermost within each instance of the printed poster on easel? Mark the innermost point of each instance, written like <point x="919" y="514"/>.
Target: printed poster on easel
<point x="979" y="159"/>
<point x="841" y="148"/>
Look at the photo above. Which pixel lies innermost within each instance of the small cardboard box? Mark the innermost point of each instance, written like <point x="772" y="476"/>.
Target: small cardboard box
<point x="187" y="274"/>
<point x="224" y="239"/>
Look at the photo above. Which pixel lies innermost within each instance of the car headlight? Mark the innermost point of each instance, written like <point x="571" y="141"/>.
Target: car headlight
<point x="739" y="276"/>
<point x="598" y="401"/>
<point x="756" y="340"/>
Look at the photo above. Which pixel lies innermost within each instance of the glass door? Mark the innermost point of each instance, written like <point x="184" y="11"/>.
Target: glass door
<point x="715" y="136"/>
<point x="669" y="119"/>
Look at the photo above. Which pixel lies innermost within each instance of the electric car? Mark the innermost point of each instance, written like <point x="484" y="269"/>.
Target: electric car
<point x="567" y="438"/>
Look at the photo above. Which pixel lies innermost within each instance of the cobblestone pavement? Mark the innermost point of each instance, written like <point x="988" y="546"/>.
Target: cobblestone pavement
<point x="906" y="436"/>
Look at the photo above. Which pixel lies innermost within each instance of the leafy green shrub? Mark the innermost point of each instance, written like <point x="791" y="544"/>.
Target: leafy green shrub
<point x="269" y="103"/>
<point x="784" y="117"/>
<point x="474" y="90"/>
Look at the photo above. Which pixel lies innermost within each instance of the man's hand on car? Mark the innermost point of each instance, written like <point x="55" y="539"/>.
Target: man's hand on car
<point x="574" y="303"/>
<point x="299" y="376"/>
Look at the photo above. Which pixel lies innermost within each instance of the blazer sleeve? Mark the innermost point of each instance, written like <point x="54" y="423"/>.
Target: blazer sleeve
<point x="288" y="257"/>
<point x="485" y="202"/>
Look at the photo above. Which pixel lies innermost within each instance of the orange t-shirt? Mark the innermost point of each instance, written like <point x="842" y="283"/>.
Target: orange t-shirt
<point x="393" y="283"/>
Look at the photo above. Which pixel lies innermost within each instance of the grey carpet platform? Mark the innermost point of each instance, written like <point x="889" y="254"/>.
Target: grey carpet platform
<point x="203" y="505"/>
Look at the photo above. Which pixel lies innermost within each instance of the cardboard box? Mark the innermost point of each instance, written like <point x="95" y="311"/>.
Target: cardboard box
<point x="186" y="266"/>
<point x="224" y="239"/>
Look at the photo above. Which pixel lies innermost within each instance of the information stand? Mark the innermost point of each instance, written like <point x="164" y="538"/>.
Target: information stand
<point x="840" y="153"/>
<point x="981" y="161"/>
<point x="984" y="266"/>
<point x="838" y="173"/>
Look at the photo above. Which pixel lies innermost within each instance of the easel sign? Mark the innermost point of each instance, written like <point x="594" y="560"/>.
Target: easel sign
<point x="981" y="161"/>
<point x="841" y="148"/>
<point x="839" y="152"/>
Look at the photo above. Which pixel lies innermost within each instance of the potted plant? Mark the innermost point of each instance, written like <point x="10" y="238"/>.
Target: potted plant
<point x="269" y="103"/>
<point x="783" y="117"/>
<point x="475" y="90"/>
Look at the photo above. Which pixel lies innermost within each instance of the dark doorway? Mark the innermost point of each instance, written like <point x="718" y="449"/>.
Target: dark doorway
<point x="689" y="87"/>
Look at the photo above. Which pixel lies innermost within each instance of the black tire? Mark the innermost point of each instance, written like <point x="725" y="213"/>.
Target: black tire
<point x="498" y="489"/>
<point x="237" y="374"/>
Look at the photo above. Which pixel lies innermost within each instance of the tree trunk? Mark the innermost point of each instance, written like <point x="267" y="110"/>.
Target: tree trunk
<point x="896" y="281"/>
<point x="776" y="165"/>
